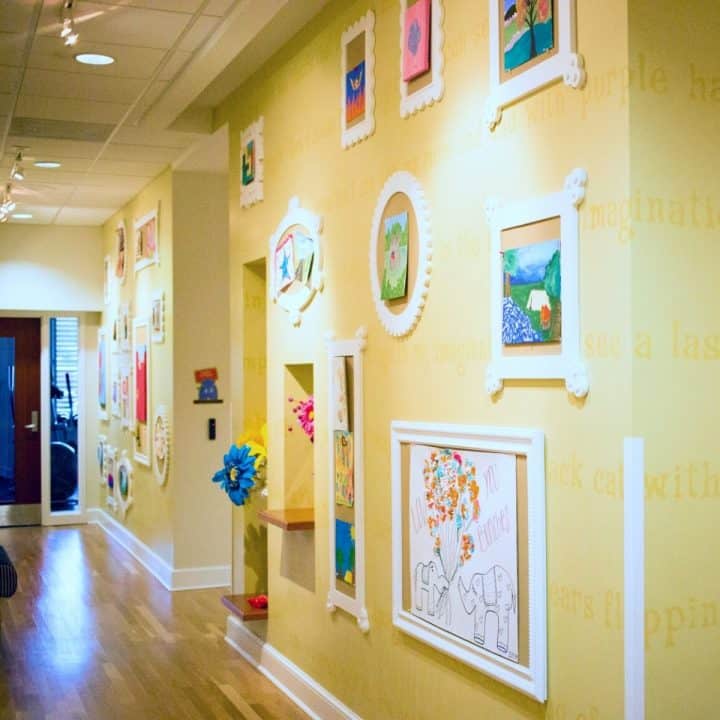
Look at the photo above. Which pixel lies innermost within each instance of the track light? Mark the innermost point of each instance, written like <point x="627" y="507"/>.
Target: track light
<point x="18" y="171"/>
<point x="8" y="204"/>
<point x="67" y="32"/>
<point x="71" y="39"/>
<point x="67" y="27"/>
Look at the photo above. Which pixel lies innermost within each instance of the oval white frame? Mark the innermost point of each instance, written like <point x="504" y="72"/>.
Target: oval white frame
<point x="160" y="466"/>
<point x="403" y="323"/>
<point x="124" y="504"/>
<point x="296" y="303"/>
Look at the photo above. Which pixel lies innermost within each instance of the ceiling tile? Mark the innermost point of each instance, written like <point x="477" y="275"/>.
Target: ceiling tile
<point x="11" y="48"/>
<point x="121" y="167"/>
<point x="84" y="216"/>
<point x="174" y="65"/>
<point x="162" y="138"/>
<point x="218" y="7"/>
<point x="35" y="106"/>
<point x="141" y="153"/>
<point x="15" y="16"/>
<point x="82" y="86"/>
<point x="6" y="103"/>
<point x="85" y="196"/>
<point x="9" y="78"/>
<point x="183" y="6"/>
<point x="41" y="214"/>
<point x="63" y="150"/>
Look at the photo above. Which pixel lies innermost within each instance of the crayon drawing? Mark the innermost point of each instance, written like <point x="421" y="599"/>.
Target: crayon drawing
<point x="416" y="42"/>
<point x="345" y="551"/>
<point x="527" y="32"/>
<point x="344" y="468"/>
<point x="355" y="93"/>
<point x="394" y="283"/>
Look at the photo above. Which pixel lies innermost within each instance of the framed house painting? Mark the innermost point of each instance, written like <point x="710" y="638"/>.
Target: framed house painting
<point x="532" y="44"/>
<point x="468" y="546"/>
<point x="147" y="240"/>
<point x="141" y="377"/>
<point x="534" y="301"/>
<point x="120" y="252"/>
<point x="252" y="150"/>
<point x="103" y="375"/>
<point x="357" y="64"/>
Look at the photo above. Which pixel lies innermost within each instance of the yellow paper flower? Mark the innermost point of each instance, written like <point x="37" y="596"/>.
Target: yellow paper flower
<point x="256" y="441"/>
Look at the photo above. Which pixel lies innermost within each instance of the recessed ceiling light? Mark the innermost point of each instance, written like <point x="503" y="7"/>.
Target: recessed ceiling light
<point x="46" y="164"/>
<point x="21" y="216"/>
<point x="94" y="59"/>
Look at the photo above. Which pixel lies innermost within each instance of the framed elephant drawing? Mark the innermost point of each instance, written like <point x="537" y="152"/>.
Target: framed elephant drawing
<point x="469" y="546"/>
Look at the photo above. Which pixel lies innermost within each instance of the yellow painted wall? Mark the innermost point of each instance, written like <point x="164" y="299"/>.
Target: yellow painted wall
<point x="386" y="674"/>
<point x="675" y="200"/>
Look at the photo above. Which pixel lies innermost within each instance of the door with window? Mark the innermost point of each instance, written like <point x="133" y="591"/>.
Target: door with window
<point x="20" y="444"/>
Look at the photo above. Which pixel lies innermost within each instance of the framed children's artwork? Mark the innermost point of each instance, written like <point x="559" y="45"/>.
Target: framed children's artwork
<point x="296" y="261"/>
<point x="115" y="385"/>
<point x="141" y="392"/>
<point x="120" y="252"/>
<point x="400" y="254"/>
<point x="125" y="393"/>
<point x="103" y="371"/>
<point x="147" y="240"/>
<point x="107" y="279"/>
<point x="422" y="38"/>
<point x="357" y="63"/>
<point x="468" y="546"/>
<point x="108" y="475"/>
<point x="124" y="485"/>
<point x="161" y="444"/>
<point x="346" y="495"/>
<point x="124" y="326"/>
<point x="532" y="44"/>
<point x="252" y="151"/>
<point x="157" y="316"/>
<point x="534" y="299"/>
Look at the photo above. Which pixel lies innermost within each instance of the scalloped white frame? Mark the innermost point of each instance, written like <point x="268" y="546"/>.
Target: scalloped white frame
<point x="139" y="456"/>
<point x="161" y="444"/>
<point x="121" y="503"/>
<point x="359" y="131"/>
<point x="312" y="224"/>
<point x="565" y="64"/>
<point x="121" y="229"/>
<point x="411" y="103"/>
<point x="255" y="191"/>
<point x="532" y="678"/>
<point x="139" y="222"/>
<point x="568" y="365"/>
<point x="103" y="340"/>
<point x="355" y="606"/>
<point x="158" y="334"/>
<point x="110" y="465"/>
<point x="403" y="323"/>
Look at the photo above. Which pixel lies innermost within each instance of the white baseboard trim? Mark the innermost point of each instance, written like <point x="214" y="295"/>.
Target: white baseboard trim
<point x="306" y="693"/>
<point x="172" y="578"/>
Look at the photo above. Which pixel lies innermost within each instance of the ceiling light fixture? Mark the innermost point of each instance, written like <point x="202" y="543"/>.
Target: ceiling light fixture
<point x="68" y="32"/>
<point x="50" y="164"/>
<point x="8" y="204"/>
<point x="94" y="59"/>
<point x="18" y="171"/>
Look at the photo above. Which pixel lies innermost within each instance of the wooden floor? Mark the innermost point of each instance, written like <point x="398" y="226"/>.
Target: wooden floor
<point x="91" y="634"/>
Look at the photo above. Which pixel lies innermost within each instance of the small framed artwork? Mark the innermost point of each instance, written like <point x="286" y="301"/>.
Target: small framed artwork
<point x="346" y="497"/>
<point x="468" y="546"/>
<point x="534" y="269"/>
<point x="120" y="252"/>
<point x="400" y="254"/>
<point x="357" y="53"/>
<point x="124" y="326"/>
<point x="161" y="444"/>
<point x="532" y="44"/>
<point x="103" y="374"/>
<point x="421" y="58"/>
<point x="125" y="393"/>
<point x="296" y="260"/>
<point x="108" y="475"/>
<point x="147" y="240"/>
<point x="100" y="453"/>
<point x="157" y="316"/>
<point x="252" y="163"/>
<point x="107" y="279"/>
<point x="141" y="392"/>
<point x="124" y="485"/>
<point x="115" y="385"/>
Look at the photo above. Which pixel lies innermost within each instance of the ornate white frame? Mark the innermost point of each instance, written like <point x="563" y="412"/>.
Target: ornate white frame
<point x="158" y="296"/>
<point x="403" y="323"/>
<point x="109" y="458"/>
<point x="358" y="132"/>
<point x="121" y="503"/>
<point x="355" y="606"/>
<point x="139" y="222"/>
<point x="530" y="679"/>
<point x="255" y="191"/>
<point x="565" y="64"/>
<point x="312" y="224"/>
<point x="118" y="228"/>
<point x="103" y="340"/>
<point x="568" y="365"/>
<point x="161" y="465"/>
<point x="412" y="103"/>
<point x="140" y="457"/>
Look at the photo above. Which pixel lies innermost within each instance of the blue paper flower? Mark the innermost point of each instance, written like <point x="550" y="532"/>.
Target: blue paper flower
<point x="238" y="476"/>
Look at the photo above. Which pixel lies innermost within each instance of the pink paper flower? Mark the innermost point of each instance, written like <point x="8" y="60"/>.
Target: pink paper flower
<point x="305" y="413"/>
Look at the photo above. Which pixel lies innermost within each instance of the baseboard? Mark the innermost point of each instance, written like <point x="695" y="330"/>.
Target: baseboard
<point x="306" y="693"/>
<point x="172" y="578"/>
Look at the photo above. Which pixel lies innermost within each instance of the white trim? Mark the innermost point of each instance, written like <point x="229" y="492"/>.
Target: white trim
<point x="634" y="564"/>
<point x="359" y="131"/>
<point x="254" y="192"/>
<point x="138" y="223"/>
<point x="306" y="693"/>
<point x="406" y="184"/>
<point x="355" y="606"/>
<point x="412" y="103"/>
<point x="568" y="365"/>
<point x="565" y="64"/>
<point x="171" y="578"/>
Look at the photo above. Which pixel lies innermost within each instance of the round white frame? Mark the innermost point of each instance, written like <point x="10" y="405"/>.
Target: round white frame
<point x="404" y="322"/>
<point x="160" y="465"/>
<point x="296" y="303"/>
<point x="124" y="504"/>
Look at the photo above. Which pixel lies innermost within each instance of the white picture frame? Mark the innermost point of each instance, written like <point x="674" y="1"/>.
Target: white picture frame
<point x="530" y="678"/>
<point x="142" y="435"/>
<point x="124" y="330"/>
<point x="125" y="392"/>
<point x="410" y="103"/>
<point x="403" y="323"/>
<point x="115" y="384"/>
<point x="359" y="131"/>
<point x="253" y="192"/>
<point x="157" y="316"/>
<point x="311" y="225"/>
<point x="121" y="252"/>
<point x="147" y="224"/>
<point x="103" y="377"/>
<point x="356" y="606"/>
<point x="124" y="468"/>
<point x="568" y="364"/>
<point x="565" y="64"/>
<point x="161" y="444"/>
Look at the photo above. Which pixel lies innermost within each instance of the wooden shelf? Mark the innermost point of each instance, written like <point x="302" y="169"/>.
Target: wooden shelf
<point x="207" y="402"/>
<point x="239" y="605"/>
<point x="293" y="519"/>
